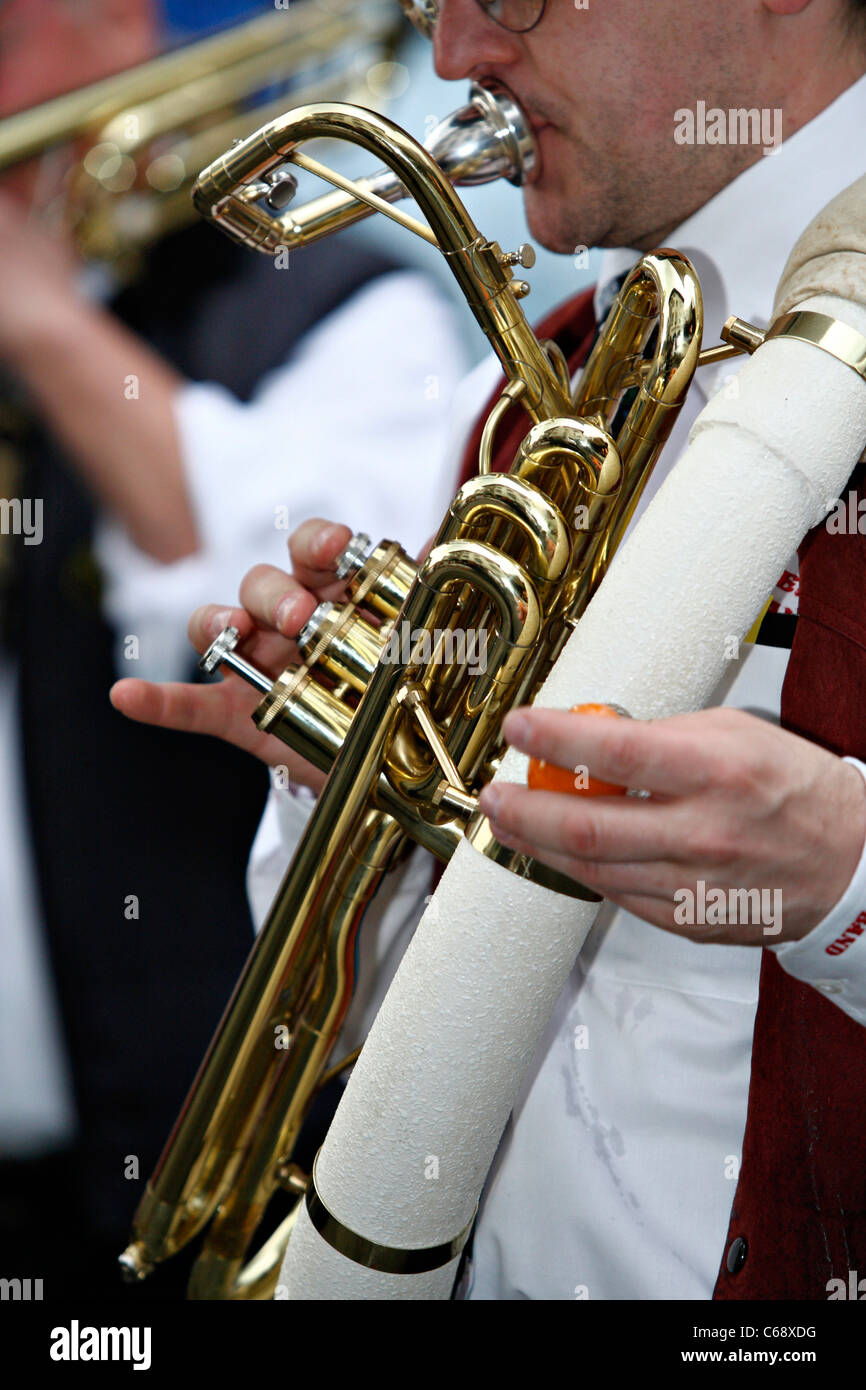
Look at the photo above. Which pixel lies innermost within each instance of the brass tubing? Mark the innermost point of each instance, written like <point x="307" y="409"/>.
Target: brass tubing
<point x="518" y="501"/>
<point x="487" y="284"/>
<point x="327" y="971"/>
<point x="516" y="629"/>
<point x="662" y="291"/>
<point x="523" y="584"/>
<point x="312" y="722"/>
<point x="489" y="138"/>
<point x="198" y="1163"/>
<point x="270" y="39"/>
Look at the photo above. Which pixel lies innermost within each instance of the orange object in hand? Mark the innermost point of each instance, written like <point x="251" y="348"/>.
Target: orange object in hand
<point x="547" y="777"/>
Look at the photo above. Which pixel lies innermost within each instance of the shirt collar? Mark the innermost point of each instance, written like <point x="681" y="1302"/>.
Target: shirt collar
<point x="740" y="240"/>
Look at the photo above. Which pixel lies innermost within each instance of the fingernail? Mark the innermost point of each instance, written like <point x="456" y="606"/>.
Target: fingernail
<point x="489" y="801"/>
<point x="324" y="538"/>
<point x="283" y="618"/>
<point x="220" y="621"/>
<point x="516" y="729"/>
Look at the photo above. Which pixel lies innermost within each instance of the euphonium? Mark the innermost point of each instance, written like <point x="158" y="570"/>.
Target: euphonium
<point x="407" y="741"/>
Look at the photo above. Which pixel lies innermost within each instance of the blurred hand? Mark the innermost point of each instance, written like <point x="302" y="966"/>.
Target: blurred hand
<point x="276" y="605"/>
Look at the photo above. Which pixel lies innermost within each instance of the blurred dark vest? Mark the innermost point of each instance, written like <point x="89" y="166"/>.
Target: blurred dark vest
<point x="119" y="809"/>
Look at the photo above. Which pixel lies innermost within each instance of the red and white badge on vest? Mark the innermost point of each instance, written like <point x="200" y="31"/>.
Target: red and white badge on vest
<point x="848" y="937"/>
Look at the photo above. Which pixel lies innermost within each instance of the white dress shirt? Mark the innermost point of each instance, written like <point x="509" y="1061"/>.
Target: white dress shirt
<point x="617" y="1171"/>
<point x="616" y="1175"/>
<point x="352" y="427"/>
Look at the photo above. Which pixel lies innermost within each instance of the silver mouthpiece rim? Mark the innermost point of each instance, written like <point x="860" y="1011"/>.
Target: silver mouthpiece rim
<point x="505" y="114"/>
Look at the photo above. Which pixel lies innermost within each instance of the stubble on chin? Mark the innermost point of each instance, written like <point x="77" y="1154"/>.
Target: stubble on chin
<point x="556" y="224"/>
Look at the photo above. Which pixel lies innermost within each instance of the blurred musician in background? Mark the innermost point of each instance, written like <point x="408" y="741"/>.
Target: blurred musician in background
<point x="167" y="430"/>
<point x="706" y="1142"/>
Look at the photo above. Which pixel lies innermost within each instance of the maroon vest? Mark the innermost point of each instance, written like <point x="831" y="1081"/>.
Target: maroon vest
<point x="799" y="1211"/>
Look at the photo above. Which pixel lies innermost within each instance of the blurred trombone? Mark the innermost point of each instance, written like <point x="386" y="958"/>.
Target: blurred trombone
<point x="141" y="137"/>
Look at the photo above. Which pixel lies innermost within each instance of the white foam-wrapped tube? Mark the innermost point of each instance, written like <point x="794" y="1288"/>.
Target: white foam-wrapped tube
<point x="766" y="459"/>
<point x="407" y="1154"/>
<point x="828" y="257"/>
<point x="406" y="1157"/>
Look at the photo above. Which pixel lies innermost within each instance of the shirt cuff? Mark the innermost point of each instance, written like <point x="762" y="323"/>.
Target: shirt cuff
<point x="832" y="956"/>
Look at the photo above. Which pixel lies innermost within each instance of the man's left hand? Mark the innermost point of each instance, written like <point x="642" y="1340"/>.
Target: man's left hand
<point x="735" y="803"/>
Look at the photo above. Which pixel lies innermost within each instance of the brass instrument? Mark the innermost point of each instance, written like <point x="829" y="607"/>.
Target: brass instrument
<point x="147" y="132"/>
<point x="407" y="741"/>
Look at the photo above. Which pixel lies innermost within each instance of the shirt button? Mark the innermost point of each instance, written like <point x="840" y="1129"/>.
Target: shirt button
<point x="737" y="1255"/>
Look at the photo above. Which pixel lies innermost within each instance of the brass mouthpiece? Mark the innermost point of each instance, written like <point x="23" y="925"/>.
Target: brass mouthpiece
<point x="488" y="138"/>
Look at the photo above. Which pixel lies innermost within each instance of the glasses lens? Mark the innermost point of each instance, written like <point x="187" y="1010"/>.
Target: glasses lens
<point x="518" y="16"/>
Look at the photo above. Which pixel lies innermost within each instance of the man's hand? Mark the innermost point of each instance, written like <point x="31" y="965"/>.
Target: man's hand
<point x="276" y="606"/>
<point x="736" y="803"/>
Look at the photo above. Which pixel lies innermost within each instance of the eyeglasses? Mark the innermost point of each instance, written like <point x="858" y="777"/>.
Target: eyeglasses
<point x="517" y="16"/>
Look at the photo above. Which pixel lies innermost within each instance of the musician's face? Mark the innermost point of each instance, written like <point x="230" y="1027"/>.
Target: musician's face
<point x="602" y="86"/>
<point x="57" y="45"/>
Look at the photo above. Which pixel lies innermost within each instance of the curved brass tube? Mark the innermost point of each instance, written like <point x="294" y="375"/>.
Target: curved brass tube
<point x="229" y="193"/>
<point x="661" y="296"/>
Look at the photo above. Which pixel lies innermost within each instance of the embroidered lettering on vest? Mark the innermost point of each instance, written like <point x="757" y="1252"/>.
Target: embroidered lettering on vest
<point x="848" y="937"/>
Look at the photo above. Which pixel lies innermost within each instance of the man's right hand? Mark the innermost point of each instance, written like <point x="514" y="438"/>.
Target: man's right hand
<point x="276" y="605"/>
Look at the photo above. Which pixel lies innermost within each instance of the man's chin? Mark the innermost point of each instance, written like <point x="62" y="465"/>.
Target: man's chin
<point x="550" y="225"/>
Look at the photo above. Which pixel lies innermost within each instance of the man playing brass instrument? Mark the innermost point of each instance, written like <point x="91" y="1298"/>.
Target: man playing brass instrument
<point x="675" y="1059"/>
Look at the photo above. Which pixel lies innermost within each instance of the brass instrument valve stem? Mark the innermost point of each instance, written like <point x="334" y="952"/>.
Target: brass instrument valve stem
<point x="221" y="652"/>
<point x="523" y="256"/>
<point x="312" y="628"/>
<point x="282" y="187"/>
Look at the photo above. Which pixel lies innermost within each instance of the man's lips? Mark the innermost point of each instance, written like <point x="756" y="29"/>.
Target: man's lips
<point x="538" y="126"/>
<point x="538" y="123"/>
